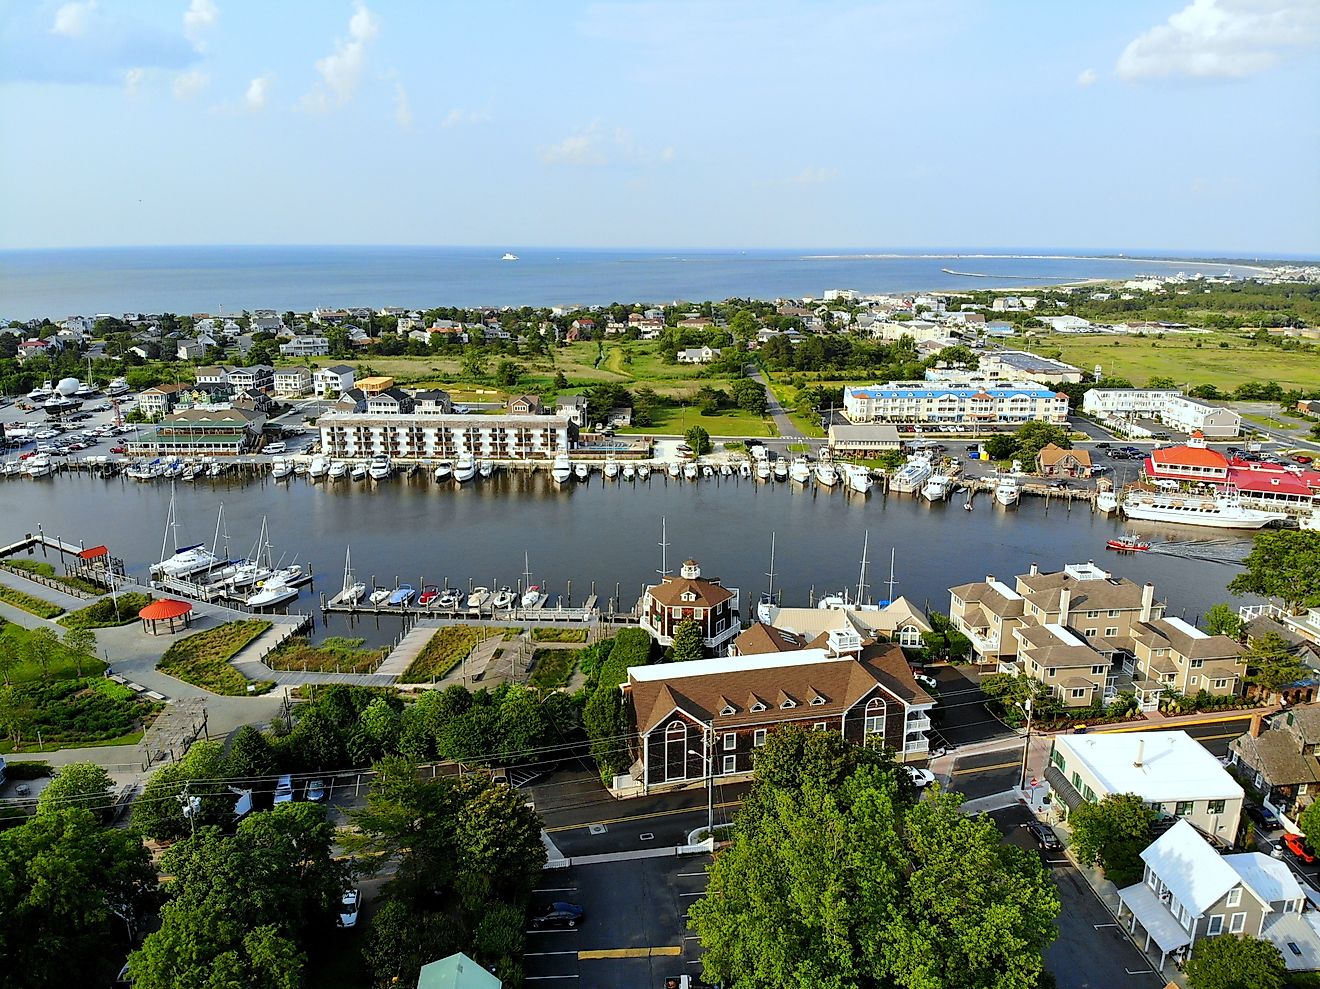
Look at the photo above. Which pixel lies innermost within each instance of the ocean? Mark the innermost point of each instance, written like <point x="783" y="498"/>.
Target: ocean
<point x="61" y="282"/>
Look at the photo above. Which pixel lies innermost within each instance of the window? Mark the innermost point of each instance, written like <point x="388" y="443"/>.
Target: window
<point x="817" y="701"/>
<point x="788" y="702"/>
<point x="726" y="710"/>
<point x="1090" y="633"/>
<point x="1113" y="612"/>
<point x="1237" y="923"/>
<point x="730" y="764"/>
<point x="1234" y="894"/>
<point x="1183" y="808"/>
<point x="1092" y="614"/>
<point x="1079" y="692"/>
<point x="1056" y="757"/>
<point x="675" y="612"/>
<point x="1216" y="925"/>
<point x="1097" y="670"/>
<point x="1220" y="684"/>
<point x="1111" y="631"/>
<point x="1077" y="781"/>
<point x="758" y="738"/>
<point x="730" y="740"/>
<point x="1193" y="681"/>
<point x="819" y="726"/>
<point x="1197" y="663"/>
<point x="875" y="717"/>
<point x="1052" y="672"/>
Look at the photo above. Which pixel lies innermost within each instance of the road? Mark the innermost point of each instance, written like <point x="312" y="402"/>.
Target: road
<point x="787" y="428"/>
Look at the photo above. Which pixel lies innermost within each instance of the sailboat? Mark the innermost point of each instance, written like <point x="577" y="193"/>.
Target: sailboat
<point x="353" y="589"/>
<point x="769" y="598"/>
<point x="185" y="561"/>
<point x="533" y="596"/>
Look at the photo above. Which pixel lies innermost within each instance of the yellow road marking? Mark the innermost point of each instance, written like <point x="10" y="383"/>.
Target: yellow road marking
<point x="1016" y="764"/>
<point x="630" y="952"/>
<point x="1236" y="716"/>
<point x="639" y="817"/>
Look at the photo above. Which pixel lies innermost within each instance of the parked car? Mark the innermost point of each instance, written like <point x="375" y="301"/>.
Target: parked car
<point x="349" y="904"/>
<point x="559" y="915"/>
<point x="284" y="789"/>
<point x="926" y="680"/>
<point x="316" y="791"/>
<point x="1303" y="458"/>
<point x="1263" y="816"/>
<point x="921" y="778"/>
<point x="1044" y="835"/>
<point x="1296" y="843"/>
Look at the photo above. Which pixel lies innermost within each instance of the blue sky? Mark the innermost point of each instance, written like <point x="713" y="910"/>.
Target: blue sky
<point x="1125" y="124"/>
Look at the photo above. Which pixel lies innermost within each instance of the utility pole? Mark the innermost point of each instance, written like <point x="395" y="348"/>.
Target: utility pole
<point x="1026" y="748"/>
<point x="710" y="781"/>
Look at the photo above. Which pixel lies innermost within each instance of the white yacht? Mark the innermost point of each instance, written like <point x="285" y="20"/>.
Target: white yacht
<point x="338" y="470"/>
<point x="39" y="465"/>
<point x="763" y="471"/>
<point x="186" y="561"/>
<point x="359" y="472"/>
<point x="444" y="471"/>
<point x="690" y="471"/>
<point x="726" y="470"/>
<point x="319" y="468"/>
<point x="503" y="599"/>
<point x="42" y="393"/>
<point x="582" y="470"/>
<point x="780" y="468"/>
<point x="800" y="471"/>
<point x="611" y="469"/>
<point x="117" y="387"/>
<point x="380" y="467"/>
<point x="280" y="469"/>
<point x="937" y="488"/>
<point x="913" y="474"/>
<point x="274" y="591"/>
<point x="1007" y="491"/>
<point x="562" y="471"/>
<point x="1221" y="510"/>
<point x="826" y="473"/>
<point x="1106" y="502"/>
<point x="465" y="468"/>
<point x="509" y="256"/>
<point x="859" y="478"/>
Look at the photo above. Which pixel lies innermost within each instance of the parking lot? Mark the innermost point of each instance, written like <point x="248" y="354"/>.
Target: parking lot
<point x="633" y="932"/>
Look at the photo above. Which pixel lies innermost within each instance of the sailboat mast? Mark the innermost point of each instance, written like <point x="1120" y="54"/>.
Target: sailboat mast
<point x="892" y="581"/>
<point x="169" y="525"/>
<point x="861" y="577"/>
<point x="664" y="547"/>
<point x="771" y="573"/>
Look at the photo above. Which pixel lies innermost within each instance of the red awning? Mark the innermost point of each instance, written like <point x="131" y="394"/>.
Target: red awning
<point x="96" y="552"/>
<point x="165" y="609"/>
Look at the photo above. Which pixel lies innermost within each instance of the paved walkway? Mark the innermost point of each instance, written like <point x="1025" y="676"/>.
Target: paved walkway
<point x="787" y="428"/>
<point x="408" y="649"/>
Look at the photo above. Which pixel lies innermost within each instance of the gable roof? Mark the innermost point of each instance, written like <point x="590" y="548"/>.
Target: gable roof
<point x="1270" y="879"/>
<point x="762" y="638"/>
<point x="1050" y="455"/>
<point x="1197" y="874"/>
<point x="707" y="593"/>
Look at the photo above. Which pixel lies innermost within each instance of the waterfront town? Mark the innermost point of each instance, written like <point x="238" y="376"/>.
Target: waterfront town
<point x="1103" y="734"/>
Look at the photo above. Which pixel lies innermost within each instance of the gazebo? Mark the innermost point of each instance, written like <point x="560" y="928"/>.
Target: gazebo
<point x="165" y="616"/>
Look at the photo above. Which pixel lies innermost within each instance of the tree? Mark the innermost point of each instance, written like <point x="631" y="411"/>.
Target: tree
<point x="561" y="382"/>
<point x="1001" y="446"/>
<point x="1235" y="961"/>
<point x="507" y="373"/>
<point x="750" y="396"/>
<point x="79" y="784"/>
<point x="1112" y="832"/>
<point x="1271" y="665"/>
<point x="66" y="885"/>
<point x="250" y="755"/>
<point x="1285" y="564"/>
<point x="1309" y="821"/>
<point x="40" y="648"/>
<point x="687" y="642"/>
<point x="80" y="643"/>
<point x="1221" y="619"/>
<point x="699" y="440"/>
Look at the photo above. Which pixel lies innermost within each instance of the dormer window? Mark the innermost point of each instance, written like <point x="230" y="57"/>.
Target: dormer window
<point x="817" y="700"/>
<point x="787" y="702"/>
<point x="728" y="710"/>
<point x="687" y="596"/>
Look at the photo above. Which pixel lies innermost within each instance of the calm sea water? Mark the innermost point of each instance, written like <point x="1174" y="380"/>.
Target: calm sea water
<point x="416" y="531"/>
<point x="57" y="283"/>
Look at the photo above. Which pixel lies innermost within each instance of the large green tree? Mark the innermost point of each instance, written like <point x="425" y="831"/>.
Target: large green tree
<point x="687" y="642"/>
<point x="79" y="784"/>
<point x="1223" y="619"/>
<point x="699" y="440"/>
<point x="1233" y="961"/>
<point x="1271" y="665"/>
<point x="1112" y="832"/>
<point x="836" y="878"/>
<point x="68" y="891"/>
<point x="1283" y="563"/>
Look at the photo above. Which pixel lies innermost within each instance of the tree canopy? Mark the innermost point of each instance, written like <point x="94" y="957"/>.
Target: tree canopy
<point x="1272" y="665"/>
<point x="1283" y="563"/>
<point x="1113" y="833"/>
<point x="79" y="784"/>
<point x="1232" y="961"/>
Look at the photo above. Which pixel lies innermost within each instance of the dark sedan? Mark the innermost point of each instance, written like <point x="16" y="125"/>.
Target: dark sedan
<point x="559" y="915"/>
<point x="1263" y="817"/>
<point x="1044" y="835"/>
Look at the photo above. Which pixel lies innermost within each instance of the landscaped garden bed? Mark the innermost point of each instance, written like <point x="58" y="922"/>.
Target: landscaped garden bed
<point x="446" y="650"/>
<point x="74" y="714"/>
<point x="333" y="655"/>
<point x="111" y="611"/>
<point x="46" y="570"/>
<point x="553" y="667"/>
<point x="559" y="635"/>
<point x="30" y="603"/>
<point x="203" y="659"/>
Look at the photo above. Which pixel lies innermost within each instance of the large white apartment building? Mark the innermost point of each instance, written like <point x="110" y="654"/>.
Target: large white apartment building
<point x="1167" y="405"/>
<point x="955" y="402"/>
<point x="441" y="437"/>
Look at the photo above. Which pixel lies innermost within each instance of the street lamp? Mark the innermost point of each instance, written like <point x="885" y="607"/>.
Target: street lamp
<point x="1026" y="748"/>
<point x="709" y="757"/>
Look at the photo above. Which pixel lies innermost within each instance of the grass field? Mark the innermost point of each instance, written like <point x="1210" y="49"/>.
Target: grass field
<point x="786" y="395"/>
<point x="1177" y="356"/>
<point x="203" y="659"/>
<point x="63" y="666"/>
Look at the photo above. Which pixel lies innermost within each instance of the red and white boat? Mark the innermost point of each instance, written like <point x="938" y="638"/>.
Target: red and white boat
<point x="1128" y="544"/>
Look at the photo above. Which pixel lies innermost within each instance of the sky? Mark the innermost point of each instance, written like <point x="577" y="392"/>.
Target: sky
<point x="1182" y="125"/>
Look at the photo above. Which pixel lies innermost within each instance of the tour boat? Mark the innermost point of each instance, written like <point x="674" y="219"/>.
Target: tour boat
<point x="937" y="487"/>
<point x="379" y="596"/>
<point x="582" y="471"/>
<point x="359" y="472"/>
<point x="1007" y="491"/>
<point x="562" y="470"/>
<point x="380" y="467"/>
<point x="1128" y="544"/>
<point x="478" y="597"/>
<point x="338" y="470"/>
<point x="465" y="468"/>
<point x="403" y="594"/>
<point x="533" y="596"/>
<point x="1221" y="510"/>
<point x="826" y="473"/>
<point x="859" y="478"/>
<point x="503" y="599"/>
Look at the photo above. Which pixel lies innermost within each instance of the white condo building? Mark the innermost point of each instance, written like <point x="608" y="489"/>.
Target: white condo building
<point x="1167" y="405"/>
<point x="955" y="402"/>
<point x="444" y="437"/>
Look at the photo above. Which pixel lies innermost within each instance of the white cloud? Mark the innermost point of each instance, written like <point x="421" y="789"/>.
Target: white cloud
<point x="582" y="148"/>
<point x="402" y="108"/>
<point x="812" y="175"/>
<point x="341" y="70"/>
<point x="72" y="19"/>
<point x="458" y="118"/>
<point x="1087" y="77"/>
<point x="593" y="145"/>
<point x="1221" y="39"/>
<point x="189" y="84"/>
<point x="133" y="80"/>
<point x="255" y="97"/>
<point x="200" y="16"/>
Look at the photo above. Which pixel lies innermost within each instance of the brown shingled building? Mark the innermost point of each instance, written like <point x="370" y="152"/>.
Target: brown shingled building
<point x="689" y="595"/>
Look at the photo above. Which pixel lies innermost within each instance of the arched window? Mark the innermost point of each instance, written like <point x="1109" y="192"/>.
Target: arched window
<point x="875" y="718"/>
<point x="676" y="733"/>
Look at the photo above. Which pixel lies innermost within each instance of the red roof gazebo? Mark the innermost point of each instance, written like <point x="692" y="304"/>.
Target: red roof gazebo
<point x="169" y="612"/>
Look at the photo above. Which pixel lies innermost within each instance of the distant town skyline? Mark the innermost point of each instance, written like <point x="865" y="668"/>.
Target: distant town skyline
<point x="1161" y="125"/>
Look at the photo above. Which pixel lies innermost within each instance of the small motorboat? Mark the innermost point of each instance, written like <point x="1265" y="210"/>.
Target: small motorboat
<point x="359" y="472"/>
<point x="300" y="468"/>
<point x="402" y="595"/>
<point x="271" y="593"/>
<point x="533" y="597"/>
<point x="485" y="468"/>
<point x="444" y="471"/>
<point x="380" y="468"/>
<point x="280" y="469"/>
<point x="562" y="470"/>
<point x="430" y="594"/>
<point x="689" y="472"/>
<point x="780" y="469"/>
<point x="581" y="471"/>
<point x="745" y="469"/>
<point x="611" y="469"/>
<point x="643" y="471"/>
<point x="449" y="599"/>
<point x="503" y="599"/>
<point x="319" y="468"/>
<point x="726" y="470"/>
<point x="707" y="471"/>
<point x="338" y="470"/>
<point x="379" y="596"/>
<point x="629" y="472"/>
<point x="763" y="471"/>
<point x="478" y="597"/>
<point x="1128" y="544"/>
<point x="675" y="469"/>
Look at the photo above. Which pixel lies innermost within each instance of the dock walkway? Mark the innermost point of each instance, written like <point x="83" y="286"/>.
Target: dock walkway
<point x="408" y="649"/>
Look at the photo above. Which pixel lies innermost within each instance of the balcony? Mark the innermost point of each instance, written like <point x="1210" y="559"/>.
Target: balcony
<point x="918" y="722"/>
<point x="917" y="746"/>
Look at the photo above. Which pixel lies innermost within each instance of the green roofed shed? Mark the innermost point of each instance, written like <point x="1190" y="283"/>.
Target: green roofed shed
<point x="458" y="971"/>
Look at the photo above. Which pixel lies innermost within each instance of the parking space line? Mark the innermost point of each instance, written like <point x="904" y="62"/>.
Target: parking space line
<point x="701" y="893"/>
<point x="691" y="875"/>
<point x="546" y="954"/>
<point x="557" y="889"/>
<point x="630" y="952"/>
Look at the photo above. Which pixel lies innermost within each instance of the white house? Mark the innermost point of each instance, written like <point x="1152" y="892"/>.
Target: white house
<point x="1170" y="771"/>
<point x="292" y="381"/>
<point x="1167" y="405"/>
<point x="308" y="346"/>
<point x="698" y="355"/>
<point x="333" y="381"/>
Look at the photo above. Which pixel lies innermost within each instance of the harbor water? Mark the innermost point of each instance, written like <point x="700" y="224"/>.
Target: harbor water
<point x="604" y="536"/>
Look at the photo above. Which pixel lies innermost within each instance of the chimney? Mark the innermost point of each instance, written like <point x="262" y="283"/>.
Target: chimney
<point x="1147" y="600"/>
<point x="1257" y="723"/>
<point x="1035" y="570"/>
<point x="989" y="578"/>
<point x="1141" y="752"/>
<point x="1065" y="603"/>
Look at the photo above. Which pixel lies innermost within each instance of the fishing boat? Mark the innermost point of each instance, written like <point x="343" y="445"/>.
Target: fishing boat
<point x="745" y="469"/>
<point x="353" y="589"/>
<point x="913" y="474"/>
<point x="503" y="599"/>
<point x="690" y="471"/>
<point x="1127" y="544"/>
<point x="643" y="472"/>
<point x="359" y="472"/>
<point x="611" y="469"/>
<point x="271" y="593"/>
<point x="380" y="467"/>
<point x="937" y="487"/>
<point x="449" y="599"/>
<point x="280" y="469"/>
<point x="582" y="471"/>
<point x="826" y="473"/>
<point x="429" y="596"/>
<point x="485" y="468"/>
<point x="629" y="472"/>
<point x="319" y="467"/>
<point x="1106" y="502"/>
<point x="478" y="597"/>
<point x="379" y="596"/>
<point x="707" y="470"/>
<point x="402" y="595"/>
<point x="763" y="472"/>
<point x="859" y="478"/>
<point x="444" y="471"/>
<point x="1221" y="509"/>
<point x="675" y="469"/>
<point x="465" y="468"/>
<point x="301" y="467"/>
<point x="562" y="470"/>
<point x="800" y="470"/>
<point x="780" y="469"/>
<point x="1007" y="492"/>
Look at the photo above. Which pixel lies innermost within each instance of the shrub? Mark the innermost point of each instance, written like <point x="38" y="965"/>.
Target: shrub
<point x="203" y="659"/>
<point x="30" y="603"/>
<point x="68" y="712"/>
<point x="27" y="770"/>
<point x="334" y="655"/>
<point x="102" y="614"/>
<point x="46" y="570"/>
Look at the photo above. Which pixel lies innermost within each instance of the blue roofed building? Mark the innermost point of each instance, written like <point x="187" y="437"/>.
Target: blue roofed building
<point x="955" y="403"/>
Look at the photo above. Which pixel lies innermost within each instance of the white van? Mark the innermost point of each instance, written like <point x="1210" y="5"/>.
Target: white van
<point x="276" y="447"/>
<point x="284" y="789"/>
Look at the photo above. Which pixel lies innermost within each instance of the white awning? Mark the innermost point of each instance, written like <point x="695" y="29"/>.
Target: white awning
<point x="1154" y="916"/>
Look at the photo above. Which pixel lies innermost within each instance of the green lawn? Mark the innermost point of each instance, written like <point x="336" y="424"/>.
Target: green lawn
<point x="132" y="738"/>
<point x="729" y="422"/>
<point x="786" y="395"/>
<point x="107" y="613"/>
<point x="203" y="659"/>
<point x="1177" y="356"/>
